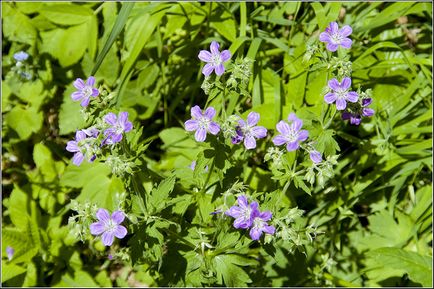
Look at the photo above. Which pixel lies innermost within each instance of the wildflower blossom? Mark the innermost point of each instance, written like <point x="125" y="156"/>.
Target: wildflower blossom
<point x="315" y="156"/>
<point x="249" y="131"/>
<point x="202" y="123"/>
<point x="84" y="90"/>
<point x="82" y="147"/>
<point x="109" y="226"/>
<point x="355" y="117"/>
<point x="10" y="252"/>
<point x="334" y="36"/>
<point x="341" y="94"/>
<point x="21" y="56"/>
<point x="119" y="124"/>
<point x="260" y="224"/>
<point x="214" y="59"/>
<point x="291" y="134"/>
<point x="243" y="213"/>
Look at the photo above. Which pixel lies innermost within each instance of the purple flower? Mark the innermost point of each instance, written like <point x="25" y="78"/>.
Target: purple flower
<point x="119" y="125"/>
<point x="260" y="224"/>
<point x="249" y="131"/>
<point x="243" y="213"/>
<point x="291" y="134"/>
<point x="341" y="94"/>
<point x="335" y="36"/>
<point x="315" y="156"/>
<point x="21" y="56"/>
<point x="366" y="111"/>
<point x="108" y="226"/>
<point x="355" y="116"/>
<point x="85" y="90"/>
<point x="82" y="147"/>
<point x="201" y="123"/>
<point x="214" y="59"/>
<point x="10" y="252"/>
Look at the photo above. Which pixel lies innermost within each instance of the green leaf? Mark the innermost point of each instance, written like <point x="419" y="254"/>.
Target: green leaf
<point x="225" y="25"/>
<point x="70" y="117"/>
<point x="10" y="271"/>
<point x="232" y="275"/>
<point x="24" y="121"/>
<point x="67" y="14"/>
<point x="160" y="196"/>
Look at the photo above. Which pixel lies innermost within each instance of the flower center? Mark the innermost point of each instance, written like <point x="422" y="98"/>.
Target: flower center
<point x="87" y="91"/>
<point x="110" y="226"/>
<point x="292" y="135"/>
<point x="336" y="38"/>
<point x="216" y="59"/>
<point x="204" y="122"/>
<point x="246" y="214"/>
<point x="341" y="93"/>
<point x="258" y="223"/>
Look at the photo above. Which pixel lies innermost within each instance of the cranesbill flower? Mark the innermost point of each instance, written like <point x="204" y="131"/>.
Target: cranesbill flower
<point x="21" y="56"/>
<point x="109" y="226"/>
<point x="85" y="90"/>
<point x="355" y="116"/>
<point x="260" y="224"/>
<point x="290" y="134"/>
<point x="249" y="131"/>
<point x="202" y="123"/>
<point x="119" y="125"/>
<point x="335" y="36"/>
<point x="341" y="94"/>
<point x="243" y="213"/>
<point x="82" y="147"/>
<point x="315" y="156"/>
<point x="214" y="59"/>
<point x="10" y="252"/>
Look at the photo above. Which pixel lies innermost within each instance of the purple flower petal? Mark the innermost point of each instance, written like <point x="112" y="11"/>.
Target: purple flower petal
<point x="254" y="207"/>
<point x="334" y="84"/>
<point x="366" y="101"/>
<point x="334" y="28"/>
<point x="315" y="156"/>
<point x="346" y="43"/>
<point x="103" y="215"/>
<point x="123" y="117"/>
<point x="242" y="201"/>
<point x="283" y="127"/>
<point x="303" y="135"/>
<point x="77" y="95"/>
<point x="367" y="112"/>
<point x="269" y="229"/>
<point x="80" y="135"/>
<point x="266" y="216"/>
<point x="209" y="112"/>
<point x="356" y="120"/>
<point x="279" y="140"/>
<point x="71" y="146"/>
<point x="259" y="131"/>
<point x="345" y="31"/>
<point x="191" y="125"/>
<point x="234" y="212"/>
<point x="296" y="124"/>
<point x="200" y="134"/>
<point x="97" y="228"/>
<point x="225" y="55"/>
<point x="85" y="102"/>
<point x="242" y="223"/>
<point x="292" y="117"/>
<point x="249" y="142"/>
<point x="219" y="69"/>
<point x="352" y="96"/>
<point x="346" y="115"/>
<point x="110" y="118"/>
<point x="79" y="83"/>
<point x="207" y="69"/>
<point x="330" y="97"/>
<point x="116" y="137"/>
<point x="324" y="37"/>
<point x="108" y="238"/>
<point x="90" y="81"/>
<point x="346" y="83"/>
<point x="128" y="126"/>
<point x="118" y="217"/>
<point x="292" y="146"/>
<point x="253" y="118"/>
<point x="213" y="128"/>
<point x="196" y="112"/>
<point x="95" y="92"/>
<point x="255" y="233"/>
<point x="120" y="232"/>
<point x="205" y="55"/>
<point x="214" y="47"/>
<point x="341" y="104"/>
<point x="332" y="47"/>
<point x="78" y="158"/>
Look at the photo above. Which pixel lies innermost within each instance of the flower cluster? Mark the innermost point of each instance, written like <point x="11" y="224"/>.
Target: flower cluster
<point x="108" y="226"/>
<point x="249" y="216"/>
<point x="22" y="67"/>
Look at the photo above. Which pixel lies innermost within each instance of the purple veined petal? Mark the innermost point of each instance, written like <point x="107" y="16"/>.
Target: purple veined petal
<point x="346" y="115"/>
<point x="242" y="201"/>
<point x="109" y="132"/>
<point x="234" y="212"/>
<point x="341" y="104"/>
<point x="123" y="117"/>
<point x="345" y="83"/>
<point x="77" y="95"/>
<point x="208" y="69"/>
<point x="128" y="126"/>
<point x="116" y="137"/>
<point x="108" y="238"/>
<point x="214" y="47"/>
<point x="292" y="117"/>
<point x="254" y="207"/>
<point x="120" y="232"/>
<point x="110" y="118"/>
<point x="253" y="118"/>
<point x="259" y="131"/>
<point x="332" y="47"/>
<point x="315" y="156"/>
<point x="196" y="112"/>
<point x="352" y="96"/>
<point x="103" y="215"/>
<point x="334" y="84"/>
<point x="219" y="69"/>
<point x="225" y="55"/>
<point x="279" y="140"/>
<point x="200" y="134"/>
<point x="334" y="28"/>
<point x="118" y="217"/>
<point x="283" y="128"/>
<point x="97" y="228"/>
<point x="191" y="125"/>
<point x="85" y="101"/>
<point x="205" y="55"/>
<point x="266" y="216"/>
<point x="303" y="135"/>
<point x="292" y="146"/>
<point x="346" y="43"/>
<point x="78" y="158"/>
<point x="269" y="229"/>
<point x="249" y="142"/>
<point x="79" y="83"/>
<point x="71" y="146"/>
<point x="346" y="31"/>
<point x="367" y="112"/>
<point x="330" y="97"/>
<point x="95" y="92"/>
<point x="242" y="123"/>
<point x="80" y="135"/>
<point x="366" y="101"/>
<point x="242" y="223"/>
<point x="255" y="233"/>
<point x="296" y="125"/>
<point x="355" y="119"/>
<point x="90" y="81"/>
<point x="92" y="159"/>
<point x="213" y="128"/>
<point x="209" y="112"/>
<point x="324" y="37"/>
